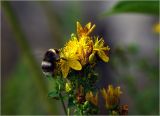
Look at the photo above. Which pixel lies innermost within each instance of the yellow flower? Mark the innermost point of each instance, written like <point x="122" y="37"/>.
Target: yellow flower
<point x="68" y="56"/>
<point x="157" y="28"/>
<point x="86" y="30"/>
<point x="100" y="49"/>
<point x="75" y="54"/>
<point x="93" y="99"/>
<point x="68" y="87"/>
<point x="111" y="96"/>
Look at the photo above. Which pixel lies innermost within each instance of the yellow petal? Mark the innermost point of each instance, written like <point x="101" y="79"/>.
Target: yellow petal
<point x="104" y="94"/>
<point x="91" y="94"/>
<point x="74" y="64"/>
<point x="110" y="90"/>
<point x="88" y="25"/>
<point x="105" y="48"/>
<point x="79" y="27"/>
<point x="92" y="58"/>
<point x="101" y="42"/>
<point x="65" y="69"/>
<point x="91" y="29"/>
<point x="118" y="91"/>
<point x="103" y="56"/>
<point x="96" y="99"/>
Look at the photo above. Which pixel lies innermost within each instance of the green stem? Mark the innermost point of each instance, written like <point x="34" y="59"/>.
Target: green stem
<point x="64" y="107"/>
<point x="68" y="112"/>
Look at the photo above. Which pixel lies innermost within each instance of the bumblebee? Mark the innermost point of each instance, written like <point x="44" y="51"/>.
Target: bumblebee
<point x="49" y="62"/>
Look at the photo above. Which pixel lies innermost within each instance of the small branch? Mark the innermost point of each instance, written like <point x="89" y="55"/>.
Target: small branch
<point x="64" y="107"/>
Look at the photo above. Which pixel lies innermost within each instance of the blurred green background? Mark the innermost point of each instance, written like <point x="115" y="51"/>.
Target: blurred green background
<point x="29" y="28"/>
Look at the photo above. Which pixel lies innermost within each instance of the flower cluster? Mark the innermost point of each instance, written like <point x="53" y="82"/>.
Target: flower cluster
<point x="111" y="96"/>
<point x="112" y="100"/>
<point x="75" y="75"/>
<point x="81" y="50"/>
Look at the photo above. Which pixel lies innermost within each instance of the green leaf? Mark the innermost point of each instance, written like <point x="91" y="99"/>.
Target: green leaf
<point x="145" y="7"/>
<point x="54" y="94"/>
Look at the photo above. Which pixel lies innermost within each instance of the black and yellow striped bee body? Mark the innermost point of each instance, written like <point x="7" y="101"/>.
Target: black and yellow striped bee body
<point x="49" y="62"/>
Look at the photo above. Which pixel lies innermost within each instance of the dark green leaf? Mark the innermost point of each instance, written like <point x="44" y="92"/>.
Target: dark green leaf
<point x="70" y="102"/>
<point x="146" y="7"/>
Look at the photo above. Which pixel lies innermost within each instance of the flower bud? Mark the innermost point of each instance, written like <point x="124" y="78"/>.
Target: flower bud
<point x="68" y="87"/>
<point x="92" y="58"/>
